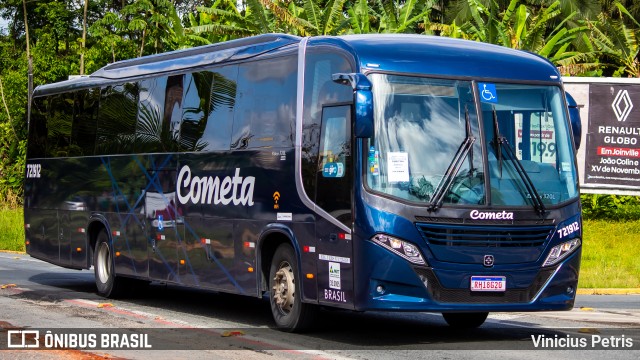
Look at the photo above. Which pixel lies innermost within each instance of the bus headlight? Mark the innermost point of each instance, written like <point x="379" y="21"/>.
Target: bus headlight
<point x="561" y="251"/>
<point x="404" y="249"/>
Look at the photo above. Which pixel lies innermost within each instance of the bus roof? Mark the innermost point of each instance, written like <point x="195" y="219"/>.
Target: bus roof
<point x="443" y="56"/>
<point x="402" y="53"/>
<point x="175" y="61"/>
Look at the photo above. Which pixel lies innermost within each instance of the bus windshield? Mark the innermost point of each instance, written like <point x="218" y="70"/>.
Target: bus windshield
<point x="530" y="122"/>
<point x="420" y="126"/>
<point x="428" y="146"/>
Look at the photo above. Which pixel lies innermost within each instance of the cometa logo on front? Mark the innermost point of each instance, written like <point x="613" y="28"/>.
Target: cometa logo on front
<point x="491" y="215"/>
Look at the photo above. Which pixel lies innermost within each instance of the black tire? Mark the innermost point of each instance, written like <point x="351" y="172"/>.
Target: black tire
<point x="289" y="312"/>
<point x="107" y="283"/>
<point x="465" y="320"/>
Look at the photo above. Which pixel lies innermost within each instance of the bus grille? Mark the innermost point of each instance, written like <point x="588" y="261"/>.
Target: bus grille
<point x="485" y="236"/>
<point x="444" y="295"/>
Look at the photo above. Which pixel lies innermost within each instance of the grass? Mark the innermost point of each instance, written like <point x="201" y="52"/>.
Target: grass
<point x="11" y="229"/>
<point x="609" y="253"/>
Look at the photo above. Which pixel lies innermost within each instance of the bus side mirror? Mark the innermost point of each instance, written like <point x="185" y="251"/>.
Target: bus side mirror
<point x="574" y="117"/>
<point x="363" y="102"/>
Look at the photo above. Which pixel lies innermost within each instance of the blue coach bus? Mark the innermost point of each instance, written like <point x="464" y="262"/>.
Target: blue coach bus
<point x="366" y="172"/>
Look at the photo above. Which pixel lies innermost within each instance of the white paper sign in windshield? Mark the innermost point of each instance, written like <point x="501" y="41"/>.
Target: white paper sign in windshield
<point x="398" y="166"/>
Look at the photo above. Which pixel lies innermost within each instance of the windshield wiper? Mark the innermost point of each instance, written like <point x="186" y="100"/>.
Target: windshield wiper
<point x="499" y="143"/>
<point x="447" y="180"/>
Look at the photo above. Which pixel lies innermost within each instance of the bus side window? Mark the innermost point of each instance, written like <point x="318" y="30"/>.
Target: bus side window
<point x="85" y="122"/>
<point x="334" y="163"/>
<point x="172" y="113"/>
<point x="59" y="125"/>
<point x="159" y="113"/>
<point x="117" y="119"/>
<point x="194" y="103"/>
<point x="207" y="111"/>
<point x="38" y="128"/>
<point x="266" y="107"/>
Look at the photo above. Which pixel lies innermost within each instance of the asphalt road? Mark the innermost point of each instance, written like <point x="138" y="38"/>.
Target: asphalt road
<point x="187" y="323"/>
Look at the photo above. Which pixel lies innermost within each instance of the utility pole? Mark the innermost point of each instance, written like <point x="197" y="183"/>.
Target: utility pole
<point x="30" y="60"/>
<point x="84" y="36"/>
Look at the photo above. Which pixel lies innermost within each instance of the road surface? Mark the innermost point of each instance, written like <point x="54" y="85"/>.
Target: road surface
<point x="188" y="323"/>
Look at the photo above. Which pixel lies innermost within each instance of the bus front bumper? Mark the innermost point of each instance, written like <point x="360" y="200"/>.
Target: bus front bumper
<point x="395" y="284"/>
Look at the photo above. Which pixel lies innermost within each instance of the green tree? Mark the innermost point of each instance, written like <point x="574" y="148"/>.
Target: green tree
<point x="461" y="11"/>
<point x="324" y="18"/>
<point x="224" y="21"/>
<point x="155" y="22"/>
<point x="110" y="44"/>
<point x="360" y="17"/>
<point x="617" y="41"/>
<point x="609" y="8"/>
<point x="307" y="17"/>
<point x="409" y="16"/>
<point x="526" y="28"/>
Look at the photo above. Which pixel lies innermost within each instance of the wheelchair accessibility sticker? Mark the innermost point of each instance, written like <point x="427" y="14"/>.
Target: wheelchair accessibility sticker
<point x="160" y="223"/>
<point x="488" y="92"/>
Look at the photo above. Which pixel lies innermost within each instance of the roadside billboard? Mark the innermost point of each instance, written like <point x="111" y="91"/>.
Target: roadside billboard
<point x="609" y="159"/>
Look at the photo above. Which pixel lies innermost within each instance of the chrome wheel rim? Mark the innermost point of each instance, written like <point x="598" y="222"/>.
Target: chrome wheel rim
<point x="284" y="288"/>
<point x="102" y="266"/>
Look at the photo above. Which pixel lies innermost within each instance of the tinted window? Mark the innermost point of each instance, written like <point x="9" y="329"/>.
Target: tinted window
<point x="207" y="113"/>
<point x="38" y="128"/>
<point x="319" y="90"/>
<point x="117" y="119"/>
<point x="85" y="122"/>
<point x="265" y="112"/>
<point x="159" y="114"/>
<point x="59" y="125"/>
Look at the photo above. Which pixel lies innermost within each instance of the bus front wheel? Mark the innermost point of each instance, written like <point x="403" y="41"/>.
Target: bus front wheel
<point x="465" y="320"/>
<point x="106" y="282"/>
<point x="289" y="312"/>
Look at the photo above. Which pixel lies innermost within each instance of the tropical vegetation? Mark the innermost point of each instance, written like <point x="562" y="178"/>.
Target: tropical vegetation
<point x="60" y="38"/>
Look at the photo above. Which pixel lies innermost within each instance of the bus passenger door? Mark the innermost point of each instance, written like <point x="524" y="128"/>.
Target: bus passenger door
<point x="334" y="195"/>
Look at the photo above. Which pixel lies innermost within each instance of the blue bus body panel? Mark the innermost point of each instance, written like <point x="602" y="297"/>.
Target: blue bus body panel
<point x="447" y="57"/>
<point x="405" y="290"/>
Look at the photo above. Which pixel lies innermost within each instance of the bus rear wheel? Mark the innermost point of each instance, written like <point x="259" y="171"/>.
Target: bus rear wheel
<point x="289" y="312"/>
<point x="465" y="320"/>
<point x="106" y="282"/>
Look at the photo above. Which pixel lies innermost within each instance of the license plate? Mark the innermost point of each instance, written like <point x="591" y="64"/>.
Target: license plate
<point x="488" y="283"/>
